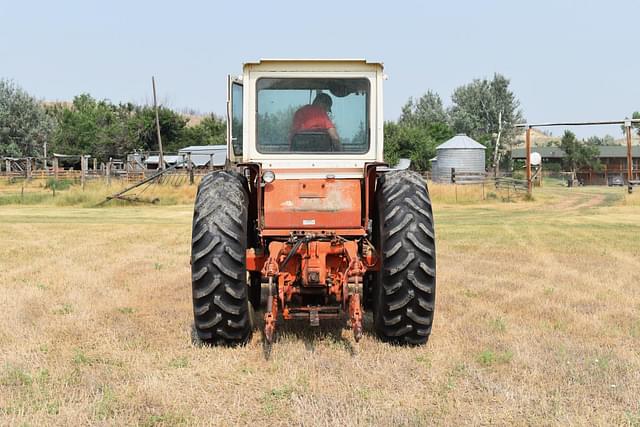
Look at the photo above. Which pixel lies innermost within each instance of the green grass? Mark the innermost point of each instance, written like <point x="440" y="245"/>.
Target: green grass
<point x="105" y="407"/>
<point x="179" y="362"/>
<point x="63" y="309"/>
<point x="491" y="357"/>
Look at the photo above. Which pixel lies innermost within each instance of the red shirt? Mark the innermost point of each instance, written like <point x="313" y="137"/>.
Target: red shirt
<point x="311" y="117"/>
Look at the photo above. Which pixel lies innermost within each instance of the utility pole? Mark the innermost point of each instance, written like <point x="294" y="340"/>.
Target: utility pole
<point x="155" y="106"/>
<point x="627" y="125"/>
<point x="528" y="150"/>
<point x="495" y="151"/>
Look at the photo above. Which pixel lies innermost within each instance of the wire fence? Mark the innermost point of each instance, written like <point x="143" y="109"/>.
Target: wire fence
<point x="177" y="176"/>
<point x="467" y="188"/>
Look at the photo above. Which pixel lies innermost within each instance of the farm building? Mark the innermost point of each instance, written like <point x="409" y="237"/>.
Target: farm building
<point x="201" y="156"/>
<point x="613" y="159"/>
<point x="461" y="153"/>
<point x="151" y="162"/>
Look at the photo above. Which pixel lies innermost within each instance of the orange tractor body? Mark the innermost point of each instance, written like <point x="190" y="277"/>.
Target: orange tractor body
<point x="320" y="274"/>
<point x="310" y="223"/>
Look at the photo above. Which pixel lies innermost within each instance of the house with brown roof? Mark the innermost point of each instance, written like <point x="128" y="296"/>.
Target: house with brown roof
<point x="613" y="160"/>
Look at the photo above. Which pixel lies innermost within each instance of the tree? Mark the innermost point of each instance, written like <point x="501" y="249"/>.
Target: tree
<point x="106" y="130"/>
<point x="484" y="109"/>
<point x="414" y="142"/>
<point x="636" y="126"/>
<point x="24" y="124"/>
<point x="143" y="129"/>
<point x="423" y="125"/>
<point x="428" y="109"/>
<point x="596" y="140"/>
<point x="577" y="154"/>
<point x="212" y="130"/>
<point x="88" y="126"/>
<point x="391" y="142"/>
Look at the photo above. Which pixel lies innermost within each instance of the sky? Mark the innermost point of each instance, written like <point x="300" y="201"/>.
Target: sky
<point x="567" y="60"/>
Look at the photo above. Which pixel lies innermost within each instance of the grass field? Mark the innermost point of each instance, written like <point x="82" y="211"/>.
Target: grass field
<point x="537" y="322"/>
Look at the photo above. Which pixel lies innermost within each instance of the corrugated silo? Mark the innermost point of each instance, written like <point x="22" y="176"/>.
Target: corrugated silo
<point x="462" y="153"/>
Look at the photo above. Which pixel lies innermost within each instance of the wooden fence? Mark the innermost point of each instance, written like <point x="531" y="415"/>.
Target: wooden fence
<point x="78" y="175"/>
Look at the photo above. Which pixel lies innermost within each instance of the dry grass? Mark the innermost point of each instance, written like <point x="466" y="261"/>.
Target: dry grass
<point x="633" y="199"/>
<point x="537" y="322"/>
<point x="172" y="191"/>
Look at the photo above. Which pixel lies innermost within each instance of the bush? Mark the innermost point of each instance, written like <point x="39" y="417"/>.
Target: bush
<point x="58" y="184"/>
<point x="552" y="167"/>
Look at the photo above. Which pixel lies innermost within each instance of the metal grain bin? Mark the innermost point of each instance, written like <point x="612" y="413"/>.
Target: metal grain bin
<point x="462" y="153"/>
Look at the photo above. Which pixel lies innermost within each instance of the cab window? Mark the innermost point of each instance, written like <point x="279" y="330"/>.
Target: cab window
<point x="313" y="115"/>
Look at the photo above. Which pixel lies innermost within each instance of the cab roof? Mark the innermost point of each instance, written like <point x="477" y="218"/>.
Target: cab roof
<point x="311" y="64"/>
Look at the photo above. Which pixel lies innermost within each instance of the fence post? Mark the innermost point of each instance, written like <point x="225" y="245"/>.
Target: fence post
<point x="29" y="168"/>
<point x="7" y="164"/>
<point x="190" y="168"/>
<point x="109" y="172"/>
<point x="210" y="162"/>
<point x="55" y="168"/>
<point x="83" y="169"/>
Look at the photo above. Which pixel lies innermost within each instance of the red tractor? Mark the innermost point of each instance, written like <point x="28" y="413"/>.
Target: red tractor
<point x="307" y="222"/>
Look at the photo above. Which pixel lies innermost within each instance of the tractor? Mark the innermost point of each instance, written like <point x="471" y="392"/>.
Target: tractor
<point x="307" y="222"/>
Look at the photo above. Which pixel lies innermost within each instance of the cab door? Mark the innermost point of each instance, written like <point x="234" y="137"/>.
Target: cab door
<point x="234" y="119"/>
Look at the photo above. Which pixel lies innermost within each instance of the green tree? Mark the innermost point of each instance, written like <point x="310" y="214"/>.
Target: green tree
<point x="274" y="127"/>
<point x="577" y="154"/>
<point x="142" y="128"/>
<point x="212" y="130"/>
<point x="417" y="143"/>
<point x="636" y="126"/>
<point x="392" y="141"/>
<point x="88" y="126"/>
<point x="428" y="109"/>
<point x="24" y="124"/>
<point x="484" y="109"/>
<point x="103" y="129"/>
<point x="596" y="140"/>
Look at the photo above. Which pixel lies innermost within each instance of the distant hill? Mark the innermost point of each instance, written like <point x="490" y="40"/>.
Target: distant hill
<point x="193" y="119"/>
<point x="538" y="138"/>
<point x="541" y="139"/>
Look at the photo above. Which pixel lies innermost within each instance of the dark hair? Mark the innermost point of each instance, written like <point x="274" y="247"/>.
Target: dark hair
<point x="323" y="98"/>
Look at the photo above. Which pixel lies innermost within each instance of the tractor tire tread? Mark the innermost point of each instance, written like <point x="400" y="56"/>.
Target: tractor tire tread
<point x="218" y="247"/>
<point x="404" y="293"/>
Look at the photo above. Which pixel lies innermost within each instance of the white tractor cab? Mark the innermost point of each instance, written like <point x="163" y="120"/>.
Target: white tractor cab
<point x="307" y="222"/>
<point x="262" y="103"/>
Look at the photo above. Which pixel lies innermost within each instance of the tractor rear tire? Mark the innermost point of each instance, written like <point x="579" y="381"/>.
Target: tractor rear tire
<point x="218" y="260"/>
<point x="405" y="288"/>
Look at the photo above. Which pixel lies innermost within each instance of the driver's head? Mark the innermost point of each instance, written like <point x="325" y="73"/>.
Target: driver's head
<point x="324" y="100"/>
